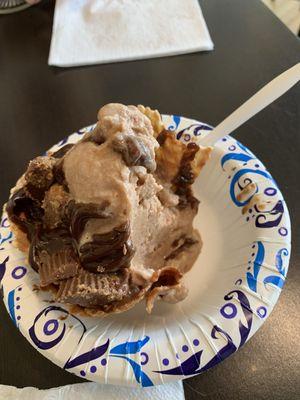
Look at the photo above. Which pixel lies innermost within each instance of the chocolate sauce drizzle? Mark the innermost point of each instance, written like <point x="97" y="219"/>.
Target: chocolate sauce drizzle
<point x="78" y="214"/>
<point x="185" y="178"/>
<point x="24" y="211"/>
<point x="108" y="252"/>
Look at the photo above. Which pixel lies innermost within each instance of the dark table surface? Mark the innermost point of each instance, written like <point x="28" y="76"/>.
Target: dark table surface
<point x="39" y="105"/>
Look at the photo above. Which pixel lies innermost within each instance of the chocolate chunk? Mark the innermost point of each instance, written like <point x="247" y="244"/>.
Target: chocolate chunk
<point x="134" y="151"/>
<point x="54" y="204"/>
<point x="91" y="290"/>
<point x="78" y="214"/>
<point x="24" y="211"/>
<point x="107" y="252"/>
<point x="62" y="151"/>
<point x="39" y="177"/>
<point x="54" y="254"/>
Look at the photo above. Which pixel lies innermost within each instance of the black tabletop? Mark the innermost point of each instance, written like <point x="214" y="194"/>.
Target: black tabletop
<point x="39" y="105"/>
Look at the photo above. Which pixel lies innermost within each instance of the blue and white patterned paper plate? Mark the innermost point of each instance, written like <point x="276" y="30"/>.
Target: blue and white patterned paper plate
<point x="234" y="284"/>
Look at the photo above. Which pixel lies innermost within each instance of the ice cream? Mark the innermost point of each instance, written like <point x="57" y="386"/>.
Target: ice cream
<point x="109" y="220"/>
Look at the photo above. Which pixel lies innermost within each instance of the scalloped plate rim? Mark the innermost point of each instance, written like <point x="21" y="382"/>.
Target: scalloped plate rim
<point x="193" y="364"/>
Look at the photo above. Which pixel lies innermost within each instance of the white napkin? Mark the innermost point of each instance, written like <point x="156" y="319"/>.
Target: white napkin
<point x="101" y="31"/>
<point x="94" y="391"/>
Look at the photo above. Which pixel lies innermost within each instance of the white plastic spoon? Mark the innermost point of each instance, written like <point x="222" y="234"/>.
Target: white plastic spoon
<point x="265" y="96"/>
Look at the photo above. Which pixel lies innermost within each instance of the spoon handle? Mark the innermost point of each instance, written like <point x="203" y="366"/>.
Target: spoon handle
<point x="265" y="96"/>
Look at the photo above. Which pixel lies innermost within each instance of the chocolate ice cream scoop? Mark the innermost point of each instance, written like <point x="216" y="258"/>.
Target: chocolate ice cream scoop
<point x="110" y="218"/>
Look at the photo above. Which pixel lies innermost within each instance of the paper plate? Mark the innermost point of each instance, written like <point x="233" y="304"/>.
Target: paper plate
<point x="234" y="284"/>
